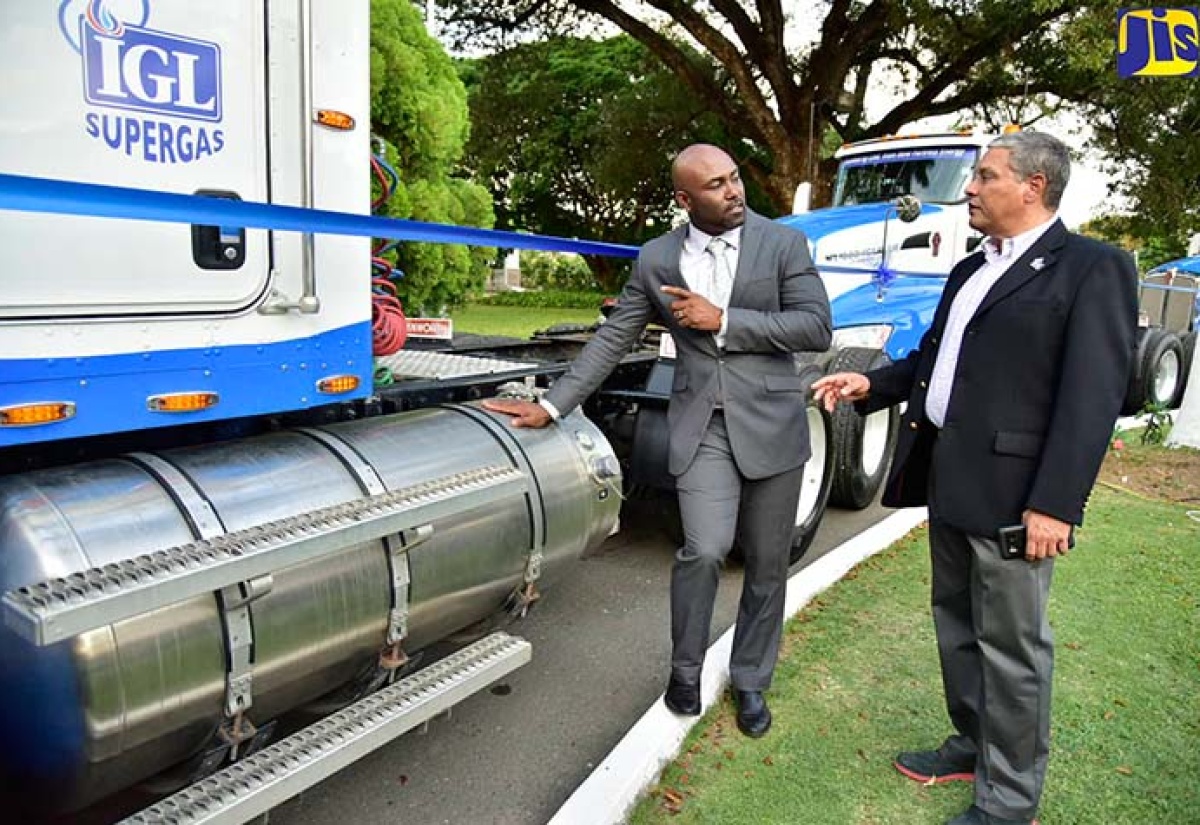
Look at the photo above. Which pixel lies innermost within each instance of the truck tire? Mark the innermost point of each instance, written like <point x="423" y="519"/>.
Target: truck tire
<point x="862" y="445"/>
<point x="814" y="490"/>
<point x="1157" y="374"/>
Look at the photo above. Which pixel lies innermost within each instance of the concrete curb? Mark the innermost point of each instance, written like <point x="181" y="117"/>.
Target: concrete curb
<point x="1131" y="422"/>
<point x="608" y="794"/>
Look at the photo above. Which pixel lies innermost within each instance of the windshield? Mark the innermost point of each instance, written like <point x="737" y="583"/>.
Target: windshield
<point x="933" y="175"/>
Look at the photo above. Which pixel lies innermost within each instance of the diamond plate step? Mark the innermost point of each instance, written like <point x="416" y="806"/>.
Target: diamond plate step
<point x="256" y="784"/>
<point x="443" y="365"/>
<point x="57" y="609"/>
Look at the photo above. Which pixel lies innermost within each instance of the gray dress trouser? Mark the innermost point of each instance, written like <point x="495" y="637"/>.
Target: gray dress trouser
<point x="997" y="654"/>
<point x="716" y="502"/>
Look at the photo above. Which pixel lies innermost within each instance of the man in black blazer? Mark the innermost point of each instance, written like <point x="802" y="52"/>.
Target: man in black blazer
<point x="1012" y="396"/>
<point x="739" y="295"/>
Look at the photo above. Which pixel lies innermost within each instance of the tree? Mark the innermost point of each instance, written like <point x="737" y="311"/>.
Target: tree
<point x="419" y="107"/>
<point x="777" y="101"/>
<point x="1150" y="243"/>
<point x="1147" y="127"/>
<point x="552" y="270"/>
<point x="574" y="138"/>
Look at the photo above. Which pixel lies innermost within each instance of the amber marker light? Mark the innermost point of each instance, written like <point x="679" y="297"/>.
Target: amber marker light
<point x="338" y="384"/>
<point x="35" y="413"/>
<point x="335" y="120"/>
<point x="182" y="402"/>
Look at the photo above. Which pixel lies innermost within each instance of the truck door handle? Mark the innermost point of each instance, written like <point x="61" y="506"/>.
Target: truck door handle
<point x="218" y="247"/>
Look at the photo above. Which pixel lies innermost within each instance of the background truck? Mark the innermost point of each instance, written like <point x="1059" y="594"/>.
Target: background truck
<point x="215" y="527"/>
<point x="1169" y="315"/>
<point x="885" y="247"/>
<point x="897" y="225"/>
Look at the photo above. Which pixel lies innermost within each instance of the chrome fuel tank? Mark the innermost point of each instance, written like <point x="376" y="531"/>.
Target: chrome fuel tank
<point x="90" y="715"/>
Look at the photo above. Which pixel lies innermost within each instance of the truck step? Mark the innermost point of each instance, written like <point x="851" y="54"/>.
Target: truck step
<point x="444" y="366"/>
<point x="259" y="782"/>
<point x="57" y="609"/>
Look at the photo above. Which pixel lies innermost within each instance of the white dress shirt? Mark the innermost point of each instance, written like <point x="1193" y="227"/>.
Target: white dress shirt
<point x="699" y="269"/>
<point x="999" y="255"/>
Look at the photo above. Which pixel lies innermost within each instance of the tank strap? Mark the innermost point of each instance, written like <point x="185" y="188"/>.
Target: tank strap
<point x="234" y="601"/>
<point x="396" y="546"/>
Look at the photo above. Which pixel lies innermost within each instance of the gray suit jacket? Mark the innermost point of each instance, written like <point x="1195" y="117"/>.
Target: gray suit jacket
<point x="777" y="307"/>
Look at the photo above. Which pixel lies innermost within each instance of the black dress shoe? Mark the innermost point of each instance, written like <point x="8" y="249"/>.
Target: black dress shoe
<point x="753" y="715"/>
<point x="683" y="697"/>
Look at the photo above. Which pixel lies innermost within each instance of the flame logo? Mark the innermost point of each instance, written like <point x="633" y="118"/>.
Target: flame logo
<point x="105" y="16"/>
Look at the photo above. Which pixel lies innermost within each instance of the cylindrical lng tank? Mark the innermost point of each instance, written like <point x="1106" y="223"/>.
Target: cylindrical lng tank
<point x="83" y="718"/>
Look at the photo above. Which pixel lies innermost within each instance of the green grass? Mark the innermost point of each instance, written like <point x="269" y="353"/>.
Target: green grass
<point x="518" y="322"/>
<point x="858" y="681"/>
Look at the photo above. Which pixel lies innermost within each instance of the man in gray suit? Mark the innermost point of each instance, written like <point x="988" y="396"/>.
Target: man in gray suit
<point x="739" y="295"/>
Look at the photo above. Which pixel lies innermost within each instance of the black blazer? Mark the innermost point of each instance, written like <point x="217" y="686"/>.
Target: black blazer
<point x="1040" y="379"/>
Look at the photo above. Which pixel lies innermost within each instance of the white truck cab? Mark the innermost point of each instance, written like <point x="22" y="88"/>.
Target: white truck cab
<point x="850" y="238"/>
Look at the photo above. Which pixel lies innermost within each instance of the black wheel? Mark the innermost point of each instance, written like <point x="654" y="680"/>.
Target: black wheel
<point x="1157" y="378"/>
<point x="814" y="490"/>
<point x="862" y="445"/>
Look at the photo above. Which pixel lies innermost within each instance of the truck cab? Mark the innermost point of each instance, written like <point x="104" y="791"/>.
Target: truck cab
<point x="897" y="225"/>
<point x="861" y="238"/>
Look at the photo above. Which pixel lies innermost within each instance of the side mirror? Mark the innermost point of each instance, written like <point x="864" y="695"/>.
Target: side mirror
<point x="908" y="208"/>
<point x="802" y="200"/>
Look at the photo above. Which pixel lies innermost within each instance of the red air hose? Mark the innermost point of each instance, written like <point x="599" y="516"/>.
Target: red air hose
<point x="389" y="329"/>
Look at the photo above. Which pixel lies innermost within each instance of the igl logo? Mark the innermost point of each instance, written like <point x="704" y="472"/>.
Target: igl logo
<point x="158" y="75"/>
<point x="1158" y="42"/>
<point x="150" y="71"/>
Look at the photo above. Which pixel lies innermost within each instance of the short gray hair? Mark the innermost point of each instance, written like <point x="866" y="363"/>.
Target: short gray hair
<point x="1031" y="153"/>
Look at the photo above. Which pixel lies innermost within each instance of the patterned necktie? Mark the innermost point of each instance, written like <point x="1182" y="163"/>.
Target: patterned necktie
<point x="721" y="283"/>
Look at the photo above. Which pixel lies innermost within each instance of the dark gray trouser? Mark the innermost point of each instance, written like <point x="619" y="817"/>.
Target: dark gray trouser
<point x="997" y="655"/>
<point x="715" y="501"/>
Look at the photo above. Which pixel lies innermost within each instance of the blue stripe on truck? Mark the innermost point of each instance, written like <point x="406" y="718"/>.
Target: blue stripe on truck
<point x="109" y="391"/>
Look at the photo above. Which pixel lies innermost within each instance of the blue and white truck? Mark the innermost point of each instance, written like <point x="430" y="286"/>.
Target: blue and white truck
<point x="897" y="225"/>
<point x="211" y="516"/>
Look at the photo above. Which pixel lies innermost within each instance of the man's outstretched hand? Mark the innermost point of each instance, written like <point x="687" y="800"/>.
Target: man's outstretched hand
<point x="841" y="386"/>
<point x="524" y="413"/>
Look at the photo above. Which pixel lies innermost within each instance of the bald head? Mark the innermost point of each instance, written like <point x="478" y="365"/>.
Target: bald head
<point x="707" y="184"/>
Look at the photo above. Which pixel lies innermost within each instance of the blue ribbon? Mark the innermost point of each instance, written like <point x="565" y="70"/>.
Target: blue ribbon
<point x="883" y="277"/>
<point x="28" y="194"/>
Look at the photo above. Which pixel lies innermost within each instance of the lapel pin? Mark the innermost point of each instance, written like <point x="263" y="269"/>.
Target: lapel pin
<point x="1037" y="264"/>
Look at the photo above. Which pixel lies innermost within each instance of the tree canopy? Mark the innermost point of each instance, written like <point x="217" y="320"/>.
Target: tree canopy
<point x="574" y="137"/>
<point x="1147" y="127"/>
<point x="777" y="98"/>
<point x="419" y="107"/>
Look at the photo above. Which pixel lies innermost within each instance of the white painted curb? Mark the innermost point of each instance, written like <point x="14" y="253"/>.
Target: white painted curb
<point x="1131" y="422"/>
<point x="607" y="796"/>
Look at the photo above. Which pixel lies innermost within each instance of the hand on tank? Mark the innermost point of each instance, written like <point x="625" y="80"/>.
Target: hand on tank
<point x="524" y="413"/>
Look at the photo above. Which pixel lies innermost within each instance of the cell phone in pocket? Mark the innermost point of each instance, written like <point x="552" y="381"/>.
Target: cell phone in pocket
<point x="1012" y="542"/>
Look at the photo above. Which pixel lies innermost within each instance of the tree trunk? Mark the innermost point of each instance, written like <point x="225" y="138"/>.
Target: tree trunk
<point x="608" y="272"/>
